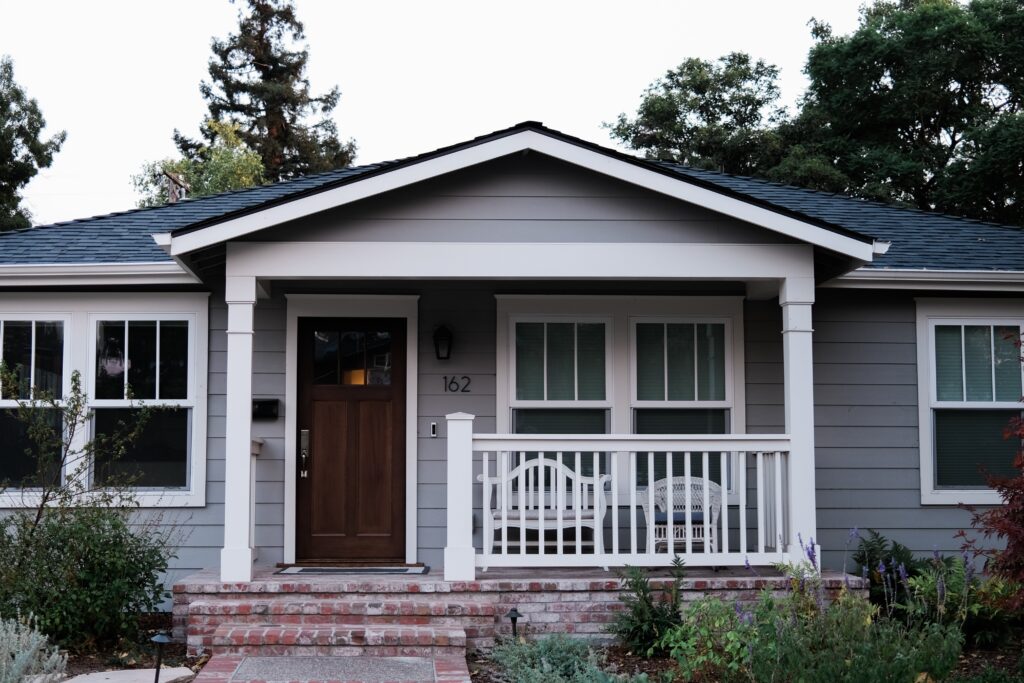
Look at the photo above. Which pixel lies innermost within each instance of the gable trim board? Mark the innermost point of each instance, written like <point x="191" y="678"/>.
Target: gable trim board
<point x="626" y="169"/>
<point x="962" y="280"/>
<point x="73" y="274"/>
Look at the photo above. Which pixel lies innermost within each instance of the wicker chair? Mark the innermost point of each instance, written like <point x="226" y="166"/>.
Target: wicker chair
<point x="659" y="520"/>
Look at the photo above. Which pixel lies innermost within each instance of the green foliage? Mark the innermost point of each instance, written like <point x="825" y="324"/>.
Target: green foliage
<point x="555" y="659"/>
<point x="645" y="617"/>
<point x="781" y="640"/>
<point x="716" y="115"/>
<point x="26" y="654"/>
<point x="258" y="80"/>
<point x="226" y="164"/>
<point x="22" y="151"/>
<point x="879" y="558"/>
<point x="76" y="556"/>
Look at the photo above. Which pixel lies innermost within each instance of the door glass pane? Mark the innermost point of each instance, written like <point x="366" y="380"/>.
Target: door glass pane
<point x="49" y="360"/>
<point x="17" y="357"/>
<point x="173" y="359"/>
<point x="325" y="357"/>
<point x="711" y="362"/>
<point x="378" y="358"/>
<point x="142" y="358"/>
<point x="530" y="361"/>
<point x="680" y="362"/>
<point x="561" y="361"/>
<point x="978" y="362"/>
<point x="1007" y="362"/>
<point x="590" y="361"/>
<point x="352" y="357"/>
<point x="650" y="362"/>
<point x="949" y="378"/>
<point x="110" y="359"/>
<point x="970" y="441"/>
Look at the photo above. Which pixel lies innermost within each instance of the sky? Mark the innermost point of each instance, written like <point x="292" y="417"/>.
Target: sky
<point x="120" y="75"/>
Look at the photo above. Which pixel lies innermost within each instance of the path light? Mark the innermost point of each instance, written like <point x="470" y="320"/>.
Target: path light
<point x="514" y="615"/>
<point x="160" y="639"/>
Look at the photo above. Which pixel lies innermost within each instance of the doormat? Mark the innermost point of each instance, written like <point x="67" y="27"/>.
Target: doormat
<point x="354" y="570"/>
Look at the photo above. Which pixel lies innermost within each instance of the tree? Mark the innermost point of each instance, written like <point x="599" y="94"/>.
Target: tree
<point x="716" y="115"/>
<point x="226" y="164"/>
<point x="257" y="80"/>
<point x="22" y="151"/>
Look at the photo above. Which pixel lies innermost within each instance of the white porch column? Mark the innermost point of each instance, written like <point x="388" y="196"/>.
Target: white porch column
<point x="796" y="296"/>
<point x="459" y="554"/>
<point x="236" y="557"/>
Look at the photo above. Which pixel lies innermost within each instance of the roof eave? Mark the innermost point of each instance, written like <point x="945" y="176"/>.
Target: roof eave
<point x="930" y="279"/>
<point x="75" y="274"/>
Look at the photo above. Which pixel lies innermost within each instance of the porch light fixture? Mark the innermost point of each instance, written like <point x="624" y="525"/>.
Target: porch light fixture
<point x="443" y="342"/>
<point x="514" y="615"/>
<point x="160" y="639"/>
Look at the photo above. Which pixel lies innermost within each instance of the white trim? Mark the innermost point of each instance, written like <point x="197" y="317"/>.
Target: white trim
<point x="352" y="306"/>
<point x="920" y="279"/>
<point x="517" y="142"/>
<point x="81" y="310"/>
<point x="956" y="312"/>
<point x="66" y="274"/>
<point x="523" y="260"/>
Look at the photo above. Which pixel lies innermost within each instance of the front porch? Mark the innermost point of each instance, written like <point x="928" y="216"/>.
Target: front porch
<point x="424" y="615"/>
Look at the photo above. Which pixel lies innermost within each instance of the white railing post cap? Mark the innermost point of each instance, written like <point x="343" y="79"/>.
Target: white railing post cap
<point x="459" y="416"/>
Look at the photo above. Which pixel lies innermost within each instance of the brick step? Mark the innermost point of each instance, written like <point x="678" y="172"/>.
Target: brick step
<point x="327" y="640"/>
<point x="357" y="606"/>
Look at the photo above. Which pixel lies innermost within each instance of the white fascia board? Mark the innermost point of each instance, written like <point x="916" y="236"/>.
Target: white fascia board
<point x="946" y="280"/>
<point x="71" y="274"/>
<point x="519" y="260"/>
<point x="517" y="142"/>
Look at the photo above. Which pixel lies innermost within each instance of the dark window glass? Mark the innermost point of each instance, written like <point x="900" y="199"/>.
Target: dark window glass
<point x="530" y="361"/>
<point x="563" y="421"/>
<point x="110" y="343"/>
<point x="561" y="364"/>
<point x="680" y="421"/>
<point x="970" y="441"/>
<point x="21" y="465"/>
<point x="17" y="357"/>
<point x="173" y="359"/>
<point x="49" y="360"/>
<point x="142" y="358"/>
<point x="159" y="458"/>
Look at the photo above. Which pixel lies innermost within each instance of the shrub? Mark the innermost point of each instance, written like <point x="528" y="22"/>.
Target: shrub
<point x="26" y="654"/>
<point x="878" y="559"/>
<point x="84" y="572"/>
<point x="555" y="659"/>
<point x="645" y="618"/>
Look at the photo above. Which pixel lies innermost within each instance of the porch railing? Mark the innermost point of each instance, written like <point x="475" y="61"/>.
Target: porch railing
<point x="528" y="500"/>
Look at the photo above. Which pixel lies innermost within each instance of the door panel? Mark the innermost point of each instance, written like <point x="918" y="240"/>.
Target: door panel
<point x="351" y="503"/>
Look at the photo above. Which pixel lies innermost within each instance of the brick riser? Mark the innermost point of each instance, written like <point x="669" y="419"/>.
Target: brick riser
<point x="381" y="641"/>
<point x="582" y="608"/>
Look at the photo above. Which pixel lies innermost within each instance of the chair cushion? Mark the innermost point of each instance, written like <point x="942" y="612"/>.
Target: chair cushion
<point x="678" y="517"/>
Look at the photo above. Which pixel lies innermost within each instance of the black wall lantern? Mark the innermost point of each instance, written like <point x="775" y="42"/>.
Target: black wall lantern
<point x="443" y="343"/>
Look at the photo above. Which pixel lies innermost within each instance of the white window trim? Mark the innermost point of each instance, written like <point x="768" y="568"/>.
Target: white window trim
<point x="80" y="311"/>
<point x="932" y="312"/>
<point x="621" y="311"/>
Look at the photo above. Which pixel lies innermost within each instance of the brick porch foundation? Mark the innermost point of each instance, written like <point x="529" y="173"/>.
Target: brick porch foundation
<point x="422" y="615"/>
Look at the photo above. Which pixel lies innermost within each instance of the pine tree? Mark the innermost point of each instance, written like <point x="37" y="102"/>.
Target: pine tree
<point x="22" y="151"/>
<point x="258" y="80"/>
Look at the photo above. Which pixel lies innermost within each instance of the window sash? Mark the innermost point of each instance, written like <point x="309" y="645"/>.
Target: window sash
<point x="545" y="400"/>
<point x="943" y="340"/>
<point x="34" y="321"/>
<point x="665" y="365"/>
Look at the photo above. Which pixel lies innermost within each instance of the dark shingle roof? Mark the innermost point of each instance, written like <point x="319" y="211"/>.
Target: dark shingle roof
<point x="920" y="240"/>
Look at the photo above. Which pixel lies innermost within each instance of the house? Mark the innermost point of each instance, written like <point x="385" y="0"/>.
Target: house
<point x="488" y="355"/>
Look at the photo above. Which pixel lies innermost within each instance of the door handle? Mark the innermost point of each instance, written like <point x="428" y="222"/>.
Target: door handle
<point x="304" y="453"/>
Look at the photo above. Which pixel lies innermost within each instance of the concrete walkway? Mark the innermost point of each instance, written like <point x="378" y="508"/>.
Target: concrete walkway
<point x="350" y="669"/>
<point x="167" y="675"/>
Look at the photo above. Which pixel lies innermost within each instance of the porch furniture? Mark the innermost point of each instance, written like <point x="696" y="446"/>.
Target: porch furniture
<point x="543" y="494"/>
<point x="672" y="497"/>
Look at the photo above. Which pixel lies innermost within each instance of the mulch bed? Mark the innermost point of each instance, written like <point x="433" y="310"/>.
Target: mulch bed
<point x="140" y="655"/>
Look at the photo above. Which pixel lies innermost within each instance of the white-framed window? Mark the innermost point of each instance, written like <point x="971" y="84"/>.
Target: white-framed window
<point x="35" y="354"/>
<point x="131" y="349"/>
<point x="970" y="386"/>
<point x="671" y="365"/>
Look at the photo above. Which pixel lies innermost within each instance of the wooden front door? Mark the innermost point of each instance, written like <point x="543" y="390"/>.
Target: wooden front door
<point x="351" y="420"/>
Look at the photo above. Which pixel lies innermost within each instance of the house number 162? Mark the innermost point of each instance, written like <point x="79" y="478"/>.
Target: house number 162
<point x="454" y="384"/>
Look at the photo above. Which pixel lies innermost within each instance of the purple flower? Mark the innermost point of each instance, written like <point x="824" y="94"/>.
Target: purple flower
<point x="935" y="555"/>
<point x="854" y="533"/>
<point x="811" y="555"/>
<point x="941" y="590"/>
<point x="864" y="572"/>
<point x="903" y="573"/>
<point x="881" y="567"/>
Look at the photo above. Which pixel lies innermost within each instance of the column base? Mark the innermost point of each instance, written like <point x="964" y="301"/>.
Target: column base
<point x="236" y="565"/>
<point x="459" y="564"/>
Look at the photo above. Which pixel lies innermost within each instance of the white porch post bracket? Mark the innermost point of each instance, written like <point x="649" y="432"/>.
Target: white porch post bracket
<point x="796" y="296"/>
<point x="236" y="557"/>
<point x="459" y="554"/>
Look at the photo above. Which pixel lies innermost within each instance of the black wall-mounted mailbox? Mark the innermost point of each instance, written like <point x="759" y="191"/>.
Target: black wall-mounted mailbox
<point x="265" y="408"/>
